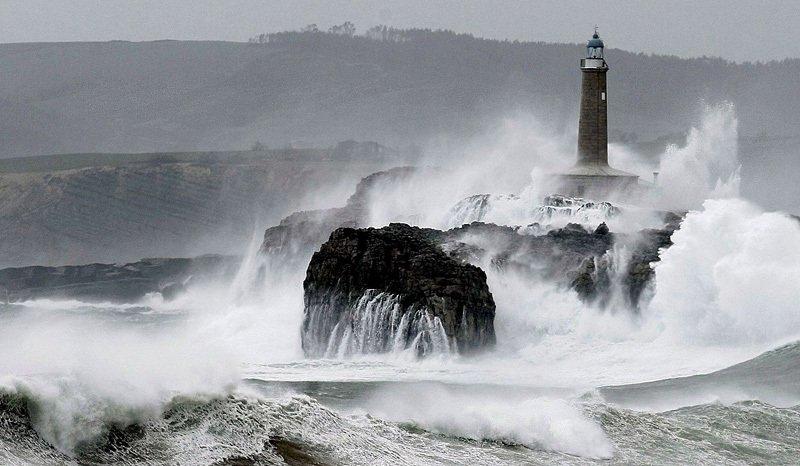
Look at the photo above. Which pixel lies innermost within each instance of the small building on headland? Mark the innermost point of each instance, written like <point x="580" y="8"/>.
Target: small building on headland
<point x="592" y="176"/>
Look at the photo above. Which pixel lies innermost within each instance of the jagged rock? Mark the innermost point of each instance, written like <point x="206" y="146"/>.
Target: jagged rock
<point x="571" y="256"/>
<point x="647" y="243"/>
<point x="390" y="289"/>
<point x="111" y="282"/>
<point x="601" y="229"/>
<point x="574" y="227"/>
<point x="361" y="283"/>
<point x="306" y="230"/>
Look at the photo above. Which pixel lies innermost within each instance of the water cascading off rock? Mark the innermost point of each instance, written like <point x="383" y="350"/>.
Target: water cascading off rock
<point x="393" y="290"/>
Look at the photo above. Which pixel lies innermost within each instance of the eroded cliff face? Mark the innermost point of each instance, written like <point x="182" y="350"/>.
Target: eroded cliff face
<point x="308" y="229"/>
<point x="390" y="290"/>
<point x="156" y="209"/>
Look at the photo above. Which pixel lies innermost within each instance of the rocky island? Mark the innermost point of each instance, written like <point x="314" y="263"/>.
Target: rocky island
<point x="393" y="289"/>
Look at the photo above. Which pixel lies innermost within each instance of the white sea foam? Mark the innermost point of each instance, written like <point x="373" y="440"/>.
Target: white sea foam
<point x="534" y="421"/>
<point x="84" y="372"/>
<point x="731" y="277"/>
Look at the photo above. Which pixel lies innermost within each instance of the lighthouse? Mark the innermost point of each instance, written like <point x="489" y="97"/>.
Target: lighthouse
<point x="593" y="125"/>
<point x="592" y="176"/>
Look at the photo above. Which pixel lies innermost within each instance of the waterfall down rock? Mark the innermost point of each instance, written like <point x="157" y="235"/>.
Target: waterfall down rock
<point x="393" y="289"/>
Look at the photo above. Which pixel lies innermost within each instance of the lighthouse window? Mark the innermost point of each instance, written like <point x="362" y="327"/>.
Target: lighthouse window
<point x="603" y="96"/>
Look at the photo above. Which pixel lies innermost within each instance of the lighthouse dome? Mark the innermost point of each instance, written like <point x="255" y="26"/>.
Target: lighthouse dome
<point x="595" y="41"/>
<point x="594" y="48"/>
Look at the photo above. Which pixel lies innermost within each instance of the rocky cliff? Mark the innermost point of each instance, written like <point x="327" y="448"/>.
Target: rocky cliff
<point x="392" y="289"/>
<point x="121" y="207"/>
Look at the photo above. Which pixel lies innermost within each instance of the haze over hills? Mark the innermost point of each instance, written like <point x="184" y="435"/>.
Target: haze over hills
<point x="322" y="88"/>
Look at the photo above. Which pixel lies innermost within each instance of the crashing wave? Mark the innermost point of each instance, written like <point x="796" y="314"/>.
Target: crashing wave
<point x="232" y="429"/>
<point x="408" y="424"/>
<point x="509" y="209"/>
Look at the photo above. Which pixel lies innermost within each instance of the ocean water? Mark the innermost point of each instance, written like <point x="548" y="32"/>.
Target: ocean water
<point x="217" y="376"/>
<point x="368" y="419"/>
<point x="706" y="371"/>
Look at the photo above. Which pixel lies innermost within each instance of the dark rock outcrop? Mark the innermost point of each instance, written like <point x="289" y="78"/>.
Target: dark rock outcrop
<point x="306" y="230"/>
<point x="597" y="263"/>
<point x="571" y="256"/>
<point x="111" y="282"/>
<point x="393" y="288"/>
<point x="647" y="244"/>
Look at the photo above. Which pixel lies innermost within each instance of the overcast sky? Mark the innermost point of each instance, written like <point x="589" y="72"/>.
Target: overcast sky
<point x="735" y="29"/>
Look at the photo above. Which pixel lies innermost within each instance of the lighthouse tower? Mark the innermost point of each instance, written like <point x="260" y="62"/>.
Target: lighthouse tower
<point x="593" y="126"/>
<point x="592" y="176"/>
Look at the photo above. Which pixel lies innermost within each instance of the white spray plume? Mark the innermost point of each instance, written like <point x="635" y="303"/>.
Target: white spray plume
<point x="731" y="276"/>
<point x="83" y="372"/>
<point x="499" y="161"/>
<point x="707" y="166"/>
<point x="515" y="163"/>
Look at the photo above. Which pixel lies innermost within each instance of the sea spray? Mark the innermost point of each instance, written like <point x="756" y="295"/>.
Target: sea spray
<point x="494" y="414"/>
<point x="706" y="167"/>
<point x="731" y="277"/>
<point x="83" y="371"/>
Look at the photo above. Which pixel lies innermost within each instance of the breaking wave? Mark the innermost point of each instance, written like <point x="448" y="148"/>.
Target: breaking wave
<point x="538" y="217"/>
<point x="407" y="425"/>
<point x="731" y="277"/>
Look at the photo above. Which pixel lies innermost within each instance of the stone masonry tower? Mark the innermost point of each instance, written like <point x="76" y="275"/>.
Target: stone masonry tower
<point x="591" y="176"/>
<point x="593" y="126"/>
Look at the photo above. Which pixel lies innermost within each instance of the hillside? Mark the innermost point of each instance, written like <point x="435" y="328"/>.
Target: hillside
<point x="320" y="88"/>
<point x="122" y="207"/>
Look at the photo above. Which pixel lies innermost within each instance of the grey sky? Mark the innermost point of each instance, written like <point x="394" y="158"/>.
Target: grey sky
<point x="738" y="30"/>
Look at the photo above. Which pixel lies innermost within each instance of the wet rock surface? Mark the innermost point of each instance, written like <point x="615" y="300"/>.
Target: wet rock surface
<point x="587" y="261"/>
<point x="400" y="261"/>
